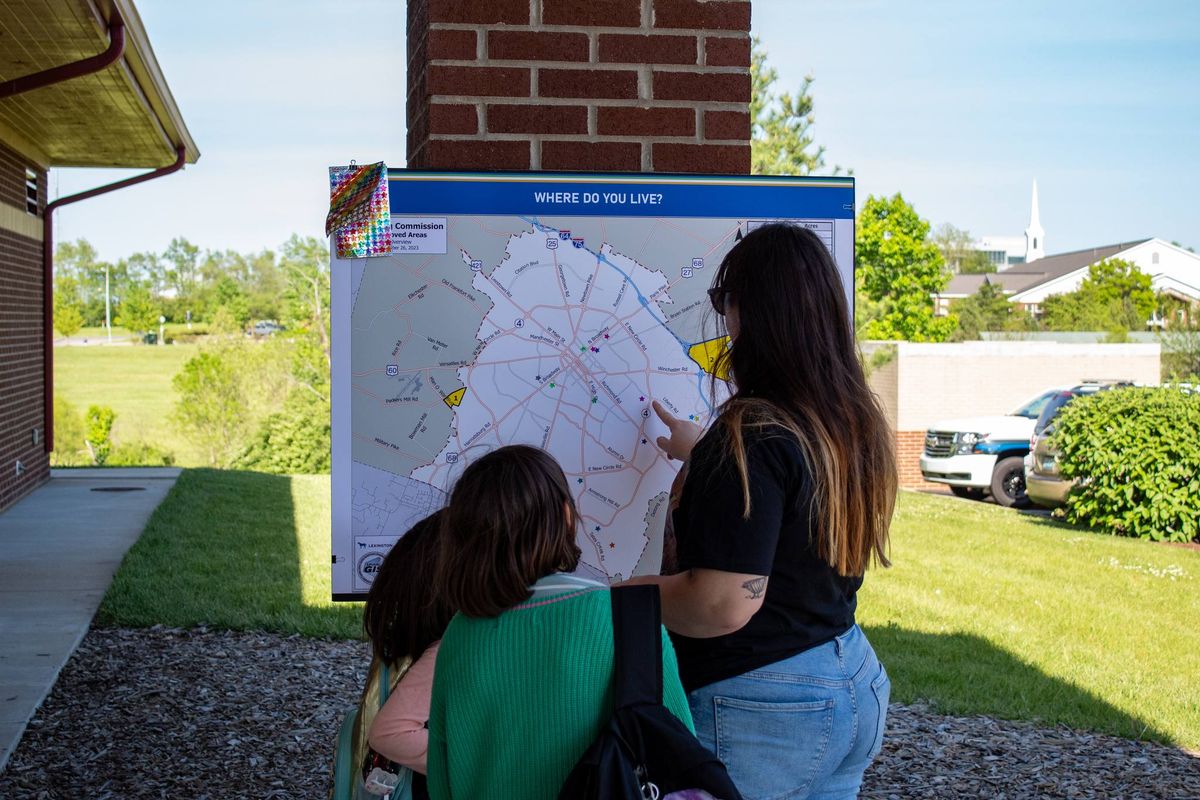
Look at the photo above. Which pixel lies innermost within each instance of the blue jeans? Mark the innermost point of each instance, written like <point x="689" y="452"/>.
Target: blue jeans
<point x="805" y="727"/>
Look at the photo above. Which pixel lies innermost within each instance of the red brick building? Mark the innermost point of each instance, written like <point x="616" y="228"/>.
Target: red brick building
<point x="79" y="87"/>
<point x="607" y="85"/>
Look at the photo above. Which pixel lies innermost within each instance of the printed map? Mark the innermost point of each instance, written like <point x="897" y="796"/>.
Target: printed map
<point x="555" y="328"/>
<point x="552" y="332"/>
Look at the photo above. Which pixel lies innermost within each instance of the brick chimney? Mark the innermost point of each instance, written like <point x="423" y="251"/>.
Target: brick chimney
<point x="583" y="85"/>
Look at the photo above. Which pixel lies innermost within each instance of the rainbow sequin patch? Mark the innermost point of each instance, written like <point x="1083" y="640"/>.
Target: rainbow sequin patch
<point x="359" y="216"/>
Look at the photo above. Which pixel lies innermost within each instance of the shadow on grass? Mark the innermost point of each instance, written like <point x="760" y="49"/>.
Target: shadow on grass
<point x="223" y="550"/>
<point x="964" y="675"/>
<point x="250" y="551"/>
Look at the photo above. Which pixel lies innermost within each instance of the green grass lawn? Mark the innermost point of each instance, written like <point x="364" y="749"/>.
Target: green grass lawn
<point x="135" y="380"/>
<point x="240" y="550"/>
<point x="989" y="611"/>
<point x="98" y="333"/>
<point x="985" y="611"/>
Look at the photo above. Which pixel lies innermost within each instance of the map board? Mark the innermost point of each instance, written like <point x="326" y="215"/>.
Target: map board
<point x="546" y="309"/>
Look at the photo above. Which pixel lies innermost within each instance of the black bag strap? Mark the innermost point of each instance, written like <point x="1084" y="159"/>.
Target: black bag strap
<point x="637" y="645"/>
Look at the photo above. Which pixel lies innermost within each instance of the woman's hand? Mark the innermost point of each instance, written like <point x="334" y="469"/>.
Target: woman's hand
<point x="683" y="438"/>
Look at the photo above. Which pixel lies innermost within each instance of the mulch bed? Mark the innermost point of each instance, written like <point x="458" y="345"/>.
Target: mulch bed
<point x="165" y="713"/>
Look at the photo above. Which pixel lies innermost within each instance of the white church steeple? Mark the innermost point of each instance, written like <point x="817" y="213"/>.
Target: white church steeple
<point x="1035" y="237"/>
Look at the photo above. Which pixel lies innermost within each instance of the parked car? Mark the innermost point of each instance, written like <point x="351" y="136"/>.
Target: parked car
<point x="1043" y="483"/>
<point x="265" y="327"/>
<point x="981" y="456"/>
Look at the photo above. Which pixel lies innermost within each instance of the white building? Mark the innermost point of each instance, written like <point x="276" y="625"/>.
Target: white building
<point x="1028" y="276"/>
<point x="1002" y="251"/>
<point x="1035" y="237"/>
<point x="1005" y="252"/>
<point x="1172" y="271"/>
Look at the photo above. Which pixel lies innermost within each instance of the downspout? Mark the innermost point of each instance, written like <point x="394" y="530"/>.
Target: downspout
<point x="38" y="80"/>
<point x="48" y="273"/>
<point x="86" y="66"/>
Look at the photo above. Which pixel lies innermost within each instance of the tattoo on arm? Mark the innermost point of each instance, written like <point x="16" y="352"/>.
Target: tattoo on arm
<point x="755" y="587"/>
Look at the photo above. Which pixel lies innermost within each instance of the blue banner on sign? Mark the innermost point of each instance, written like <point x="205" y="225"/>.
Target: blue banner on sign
<point x="615" y="195"/>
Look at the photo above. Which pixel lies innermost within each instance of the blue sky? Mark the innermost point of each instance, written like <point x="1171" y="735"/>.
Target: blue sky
<point x="958" y="105"/>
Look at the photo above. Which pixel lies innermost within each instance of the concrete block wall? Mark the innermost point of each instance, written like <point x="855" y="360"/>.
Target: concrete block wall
<point x="597" y="85"/>
<point x="22" y="403"/>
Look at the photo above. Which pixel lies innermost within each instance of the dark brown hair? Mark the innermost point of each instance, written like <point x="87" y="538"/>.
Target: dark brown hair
<point x="511" y="520"/>
<point x="794" y="368"/>
<point x="403" y="614"/>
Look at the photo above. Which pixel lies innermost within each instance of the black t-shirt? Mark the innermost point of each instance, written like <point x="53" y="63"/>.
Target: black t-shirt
<point x="807" y="603"/>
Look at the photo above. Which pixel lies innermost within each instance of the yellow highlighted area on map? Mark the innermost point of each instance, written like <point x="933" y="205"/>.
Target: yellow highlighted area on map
<point x="455" y="398"/>
<point x="706" y="353"/>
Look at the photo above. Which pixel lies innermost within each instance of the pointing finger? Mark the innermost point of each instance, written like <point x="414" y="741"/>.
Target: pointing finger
<point x="664" y="415"/>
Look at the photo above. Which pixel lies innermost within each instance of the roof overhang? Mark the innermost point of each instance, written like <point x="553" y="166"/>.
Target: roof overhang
<point x="122" y="116"/>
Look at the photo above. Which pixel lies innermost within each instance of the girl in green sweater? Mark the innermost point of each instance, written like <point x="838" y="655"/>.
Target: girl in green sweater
<point x="524" y="676"/>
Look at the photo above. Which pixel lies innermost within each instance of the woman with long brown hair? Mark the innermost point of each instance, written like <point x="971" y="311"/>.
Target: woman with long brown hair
<point x="788" y="497"/>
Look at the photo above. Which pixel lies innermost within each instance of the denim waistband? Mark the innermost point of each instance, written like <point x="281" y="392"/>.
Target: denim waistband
<point x="840" y="661"/>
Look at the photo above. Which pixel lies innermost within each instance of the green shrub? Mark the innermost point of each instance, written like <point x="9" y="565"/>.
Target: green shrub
<point x="70" y="450"/>
<point x="139" y="454"/>
<point x="293" y="441"/>
<point x="1135" y="455"/>
<point x="99" y="432"/>
<point x="211" y="409"/>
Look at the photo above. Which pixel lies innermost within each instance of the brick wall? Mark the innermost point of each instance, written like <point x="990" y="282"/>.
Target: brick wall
<point x="909" y="445"/>
<point x="12" y="179"/>
<point x="603" y="85"/>
<point x="21" y="401"/>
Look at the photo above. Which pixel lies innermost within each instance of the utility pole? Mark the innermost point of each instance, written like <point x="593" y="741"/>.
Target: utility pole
<point x="107" y="306"/>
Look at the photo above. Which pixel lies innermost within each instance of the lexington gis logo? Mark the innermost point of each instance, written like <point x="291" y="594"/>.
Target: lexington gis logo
<point x="368" y="566"/>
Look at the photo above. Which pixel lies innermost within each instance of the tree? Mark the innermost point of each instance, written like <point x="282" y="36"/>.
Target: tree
<point x="181" y="275"/>
<point x="304" y="264"/>
<point x="79" y="260"/>
<point x="296" y="440"/>
<point x="138" y="311"/>
<point x="70" y="436"/>
<point x="901" y="270"/>
<point x="228" y="294"/>
<point x="265" y="286"/>
<point x="211" y="406"/>
<point x="1115" y="296"/>
<point x="1181" y="352"/>
<point x="976" y="262"/>
<point x="957" y="249"/>
<point x="223" y="322"/>
<point x="146" y="269"/>
<point x="781" y="141"/>
<point x="955" y="244"/>
<point x="99" y="421"/>
<point x="1121" y="287"/>
<point x="68" y="308"/>
<point x="986" y="310"/>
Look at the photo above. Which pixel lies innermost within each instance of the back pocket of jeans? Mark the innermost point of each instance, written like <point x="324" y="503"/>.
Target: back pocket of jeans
<point x="773" y="750"/>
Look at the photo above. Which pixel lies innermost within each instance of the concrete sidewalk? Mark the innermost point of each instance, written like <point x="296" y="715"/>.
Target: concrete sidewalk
<point x="59" y="549"/>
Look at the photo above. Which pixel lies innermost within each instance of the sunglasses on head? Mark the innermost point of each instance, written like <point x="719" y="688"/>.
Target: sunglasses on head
<point x="716" y="295"/>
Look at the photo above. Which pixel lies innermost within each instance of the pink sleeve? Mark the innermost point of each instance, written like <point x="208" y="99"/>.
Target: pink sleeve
<point x="398" y="732"/>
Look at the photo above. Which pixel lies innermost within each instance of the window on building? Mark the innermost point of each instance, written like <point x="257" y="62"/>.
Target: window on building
<point x="1014" y="260"/>
<point x="1154" y="257"/>
<point x="31" y="191"/>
